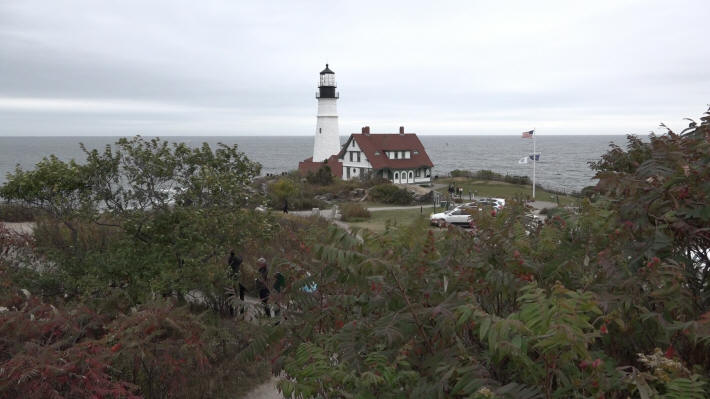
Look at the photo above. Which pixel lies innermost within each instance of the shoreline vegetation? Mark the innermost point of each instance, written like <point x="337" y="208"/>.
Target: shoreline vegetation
<point x="126" y="287"/>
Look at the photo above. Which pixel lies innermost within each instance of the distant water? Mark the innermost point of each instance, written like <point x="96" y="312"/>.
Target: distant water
<point x="563" y="160"/>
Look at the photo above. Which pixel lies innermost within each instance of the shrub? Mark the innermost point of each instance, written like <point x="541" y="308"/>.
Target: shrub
<point x="306" y="203"/>
<point x="460" y="173"/>
<point x="323" y="177"/>
<point x="371" y="180"/>
<point x="486" y="174"/>
<point x="284" y="188"/>
<point x="49" y="351"/>
<point x="352" y="212"/>
<point x="391" y="194"/>
<point x="512" y="179"/>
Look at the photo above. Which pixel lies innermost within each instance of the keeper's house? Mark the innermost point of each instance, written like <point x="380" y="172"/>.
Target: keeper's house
<point x="397" y="157"/>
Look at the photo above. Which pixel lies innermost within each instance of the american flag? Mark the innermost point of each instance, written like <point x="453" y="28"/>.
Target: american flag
<point x="528" y="134"/>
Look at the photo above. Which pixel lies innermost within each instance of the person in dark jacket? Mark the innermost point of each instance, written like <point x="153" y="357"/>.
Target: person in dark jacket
<point x="285" y="206"/>
<point x="280" y="282"/>
<point x="262" y="284"/>
<point x="235" y="263"/>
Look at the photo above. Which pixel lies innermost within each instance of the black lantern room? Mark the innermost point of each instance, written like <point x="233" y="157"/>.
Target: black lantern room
<point x="327" y="84"/>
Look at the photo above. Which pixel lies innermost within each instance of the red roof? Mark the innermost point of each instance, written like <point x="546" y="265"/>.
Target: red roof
<point x="374" y="146"/>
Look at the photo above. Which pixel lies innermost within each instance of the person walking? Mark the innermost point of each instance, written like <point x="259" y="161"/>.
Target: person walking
<point x="279" y="285"/>
<point x="262" y="284"/>
<point x="234" y="263"/>
<point x="285" y="205"/>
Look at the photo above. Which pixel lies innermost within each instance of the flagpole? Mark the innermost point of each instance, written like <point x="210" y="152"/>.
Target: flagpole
<point x="534" y="161"/>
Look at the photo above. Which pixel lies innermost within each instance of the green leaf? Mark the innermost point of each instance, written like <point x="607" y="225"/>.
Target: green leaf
<point x="483" y="330"/>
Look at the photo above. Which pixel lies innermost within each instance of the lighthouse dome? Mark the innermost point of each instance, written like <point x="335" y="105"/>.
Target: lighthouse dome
<point x="327" y="71"/>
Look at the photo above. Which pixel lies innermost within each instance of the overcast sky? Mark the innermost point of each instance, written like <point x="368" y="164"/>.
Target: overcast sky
<point x="436" y="67"/>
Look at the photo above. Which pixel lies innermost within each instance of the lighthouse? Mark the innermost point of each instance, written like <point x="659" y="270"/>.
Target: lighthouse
<point x="327" y="137"/>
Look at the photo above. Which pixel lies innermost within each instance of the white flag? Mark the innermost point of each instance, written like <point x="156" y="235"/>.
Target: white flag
<point x="523" y="160"/>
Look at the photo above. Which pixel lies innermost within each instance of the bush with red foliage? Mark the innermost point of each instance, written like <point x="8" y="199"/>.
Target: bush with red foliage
<point x="48" y="352"/>
<point x="161" y="348"/>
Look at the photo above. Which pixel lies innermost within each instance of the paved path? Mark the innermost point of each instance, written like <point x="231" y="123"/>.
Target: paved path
<point x="266" y="390"/>
<point x="539" y="205"/>
<point x="21" y="227"/>
<point x="328" y="213"/>
<point x="396" y="208"/>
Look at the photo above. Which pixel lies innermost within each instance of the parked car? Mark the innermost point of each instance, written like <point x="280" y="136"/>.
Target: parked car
<point x="497" y="203"/>
<point x="460" y="216"/>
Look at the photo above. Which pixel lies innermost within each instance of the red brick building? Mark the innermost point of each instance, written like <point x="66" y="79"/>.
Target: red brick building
<point x="336" y="167"/>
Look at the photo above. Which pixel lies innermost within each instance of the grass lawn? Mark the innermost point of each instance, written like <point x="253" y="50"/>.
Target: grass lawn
<point x="489" y="188"/>
<point x="379" y="219"/>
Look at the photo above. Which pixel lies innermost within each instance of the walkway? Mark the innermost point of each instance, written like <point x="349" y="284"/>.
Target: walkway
<point x="328" y="213"/>
<point x="266" y="390"/>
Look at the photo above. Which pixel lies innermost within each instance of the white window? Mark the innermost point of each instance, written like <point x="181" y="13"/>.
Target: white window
<point x="358" y="156"/>
<point x="407" y="155"/>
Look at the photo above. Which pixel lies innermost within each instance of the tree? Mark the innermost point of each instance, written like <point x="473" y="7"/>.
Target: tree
<point x="147" y="216"/>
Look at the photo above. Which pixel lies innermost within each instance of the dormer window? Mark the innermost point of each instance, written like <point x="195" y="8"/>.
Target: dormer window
<point x="407" y="155"/>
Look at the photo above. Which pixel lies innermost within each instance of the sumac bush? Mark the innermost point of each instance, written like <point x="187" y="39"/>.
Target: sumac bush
<point x="608" y="300"/>
<point x="47" y="350"/>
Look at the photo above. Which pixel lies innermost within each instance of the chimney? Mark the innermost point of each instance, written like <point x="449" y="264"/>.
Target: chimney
<point x="366" y="130"/>
<point x="401" y="130"/>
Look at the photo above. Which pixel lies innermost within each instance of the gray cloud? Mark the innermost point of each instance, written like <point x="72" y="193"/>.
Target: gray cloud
<point x="94" y="68"/>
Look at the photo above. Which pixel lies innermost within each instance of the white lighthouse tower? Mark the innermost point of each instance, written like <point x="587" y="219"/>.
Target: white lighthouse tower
<point x="327" y="140"/>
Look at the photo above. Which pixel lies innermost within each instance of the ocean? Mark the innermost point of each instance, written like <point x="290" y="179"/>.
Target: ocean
<point x="563" y="161"/>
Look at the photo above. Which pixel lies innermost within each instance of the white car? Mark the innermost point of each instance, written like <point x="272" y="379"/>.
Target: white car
<point x="459" y="215"/>
<point x="497" y="203"/>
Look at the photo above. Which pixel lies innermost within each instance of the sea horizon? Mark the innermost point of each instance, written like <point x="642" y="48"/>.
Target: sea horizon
<point x="563" y="165"/>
